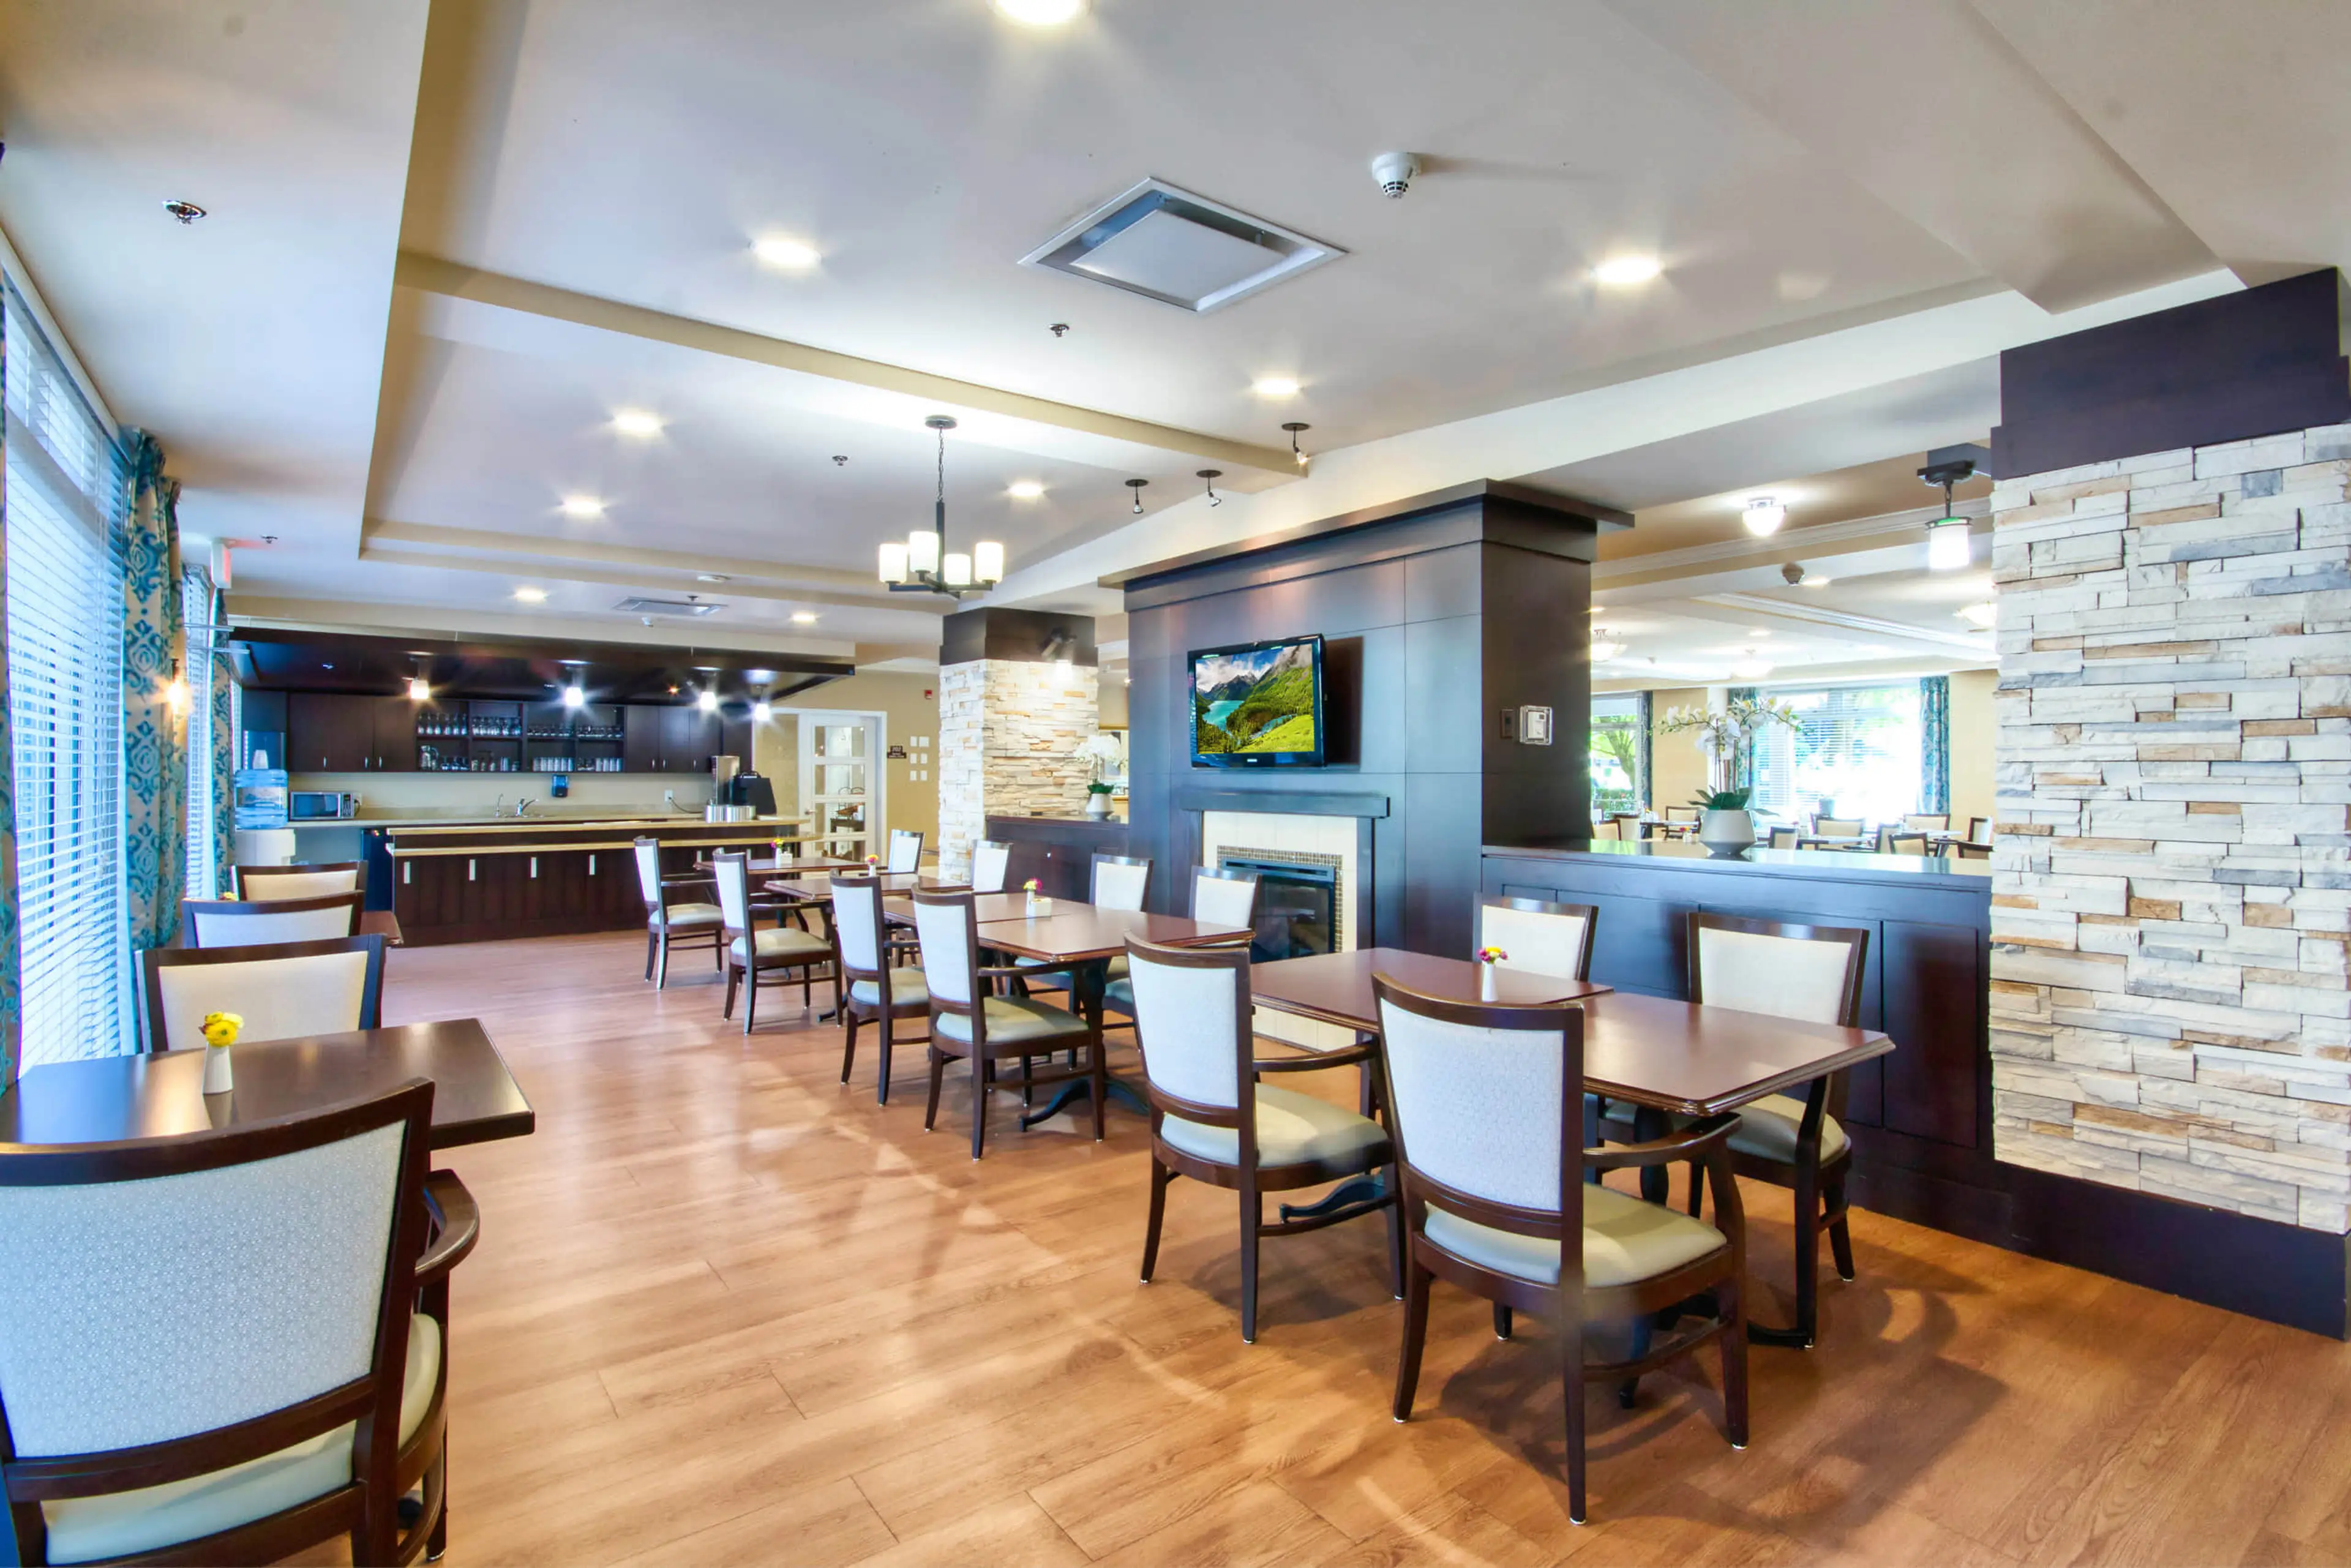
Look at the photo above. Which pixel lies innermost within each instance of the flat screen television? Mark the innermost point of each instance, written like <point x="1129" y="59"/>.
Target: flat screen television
<point x="1259" y="705"/>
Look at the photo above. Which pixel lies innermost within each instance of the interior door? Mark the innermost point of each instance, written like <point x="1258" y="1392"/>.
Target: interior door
<point x="840" y="780"/>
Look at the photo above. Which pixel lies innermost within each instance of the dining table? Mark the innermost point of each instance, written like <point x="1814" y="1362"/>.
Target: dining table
<point x="105" y="1099"/>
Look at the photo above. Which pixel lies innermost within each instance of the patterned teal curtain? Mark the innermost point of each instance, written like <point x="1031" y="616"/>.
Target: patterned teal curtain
<point x="1935" y="743"/>
<point x="11" y="1004"/>
<point x="154" y="737"/>
<point x="1642" y="793"/>
<point x="222" y="704"/>
<point x="1743" y="772"/>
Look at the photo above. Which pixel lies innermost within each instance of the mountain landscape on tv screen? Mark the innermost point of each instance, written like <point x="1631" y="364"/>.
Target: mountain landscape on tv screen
<point x="1261" y="701"/>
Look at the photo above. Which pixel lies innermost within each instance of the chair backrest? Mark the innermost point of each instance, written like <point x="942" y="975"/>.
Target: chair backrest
<point x="1979" y="830"/>
<point x="228" y="922"/>
<point x="1789" y="970"/>
<point x="732" y="875"/>
<point x="1614" y="828"/>
<point x="283" y="990"/>
<point x="1681" y="813"/>
<point x="1893" y="842"/>
<point x="1485" y="1103"/>
<point x="857" y="925"/>
<point x="1783" y="839"/>
<point x="989" y="863"/>
<point x="649" y="872"/>
<point x="1837" y="827"/>
<point x="1973" y="852"/>
<point x="1119" y="881"/>
<point x="905" y="850"/>
<point x="947" y="930"/>
<point x="1928" y="821"/>
<point x="1192" y="1021"/>
<point x="1542" y="938"/>
<point x="207" y="1300"/>
<point x="260" y="884"/>
<point x="1222" y="896"/>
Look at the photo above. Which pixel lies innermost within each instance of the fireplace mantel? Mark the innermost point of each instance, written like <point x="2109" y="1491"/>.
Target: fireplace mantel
<point x="1283" y="802"/>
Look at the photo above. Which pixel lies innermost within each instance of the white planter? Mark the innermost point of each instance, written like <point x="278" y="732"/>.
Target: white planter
<point x="1040" y="906"/>
<point x="1725" y="835"/>
<point x="1097" y="803"/>
<point x="220" y="1076"/>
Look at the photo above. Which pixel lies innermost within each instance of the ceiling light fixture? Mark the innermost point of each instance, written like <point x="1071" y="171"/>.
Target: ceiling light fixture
<point x="708" y="701"/>
<point x="1136" y="486"/>
<point x="1603" y="647"/>
<point x="1763" y="516"/>
<point x="1625" y="271"/>
<point x="791" y="255"/>
<point x="1948" y="548"/>
<point x="923" y="564"/>
<point x="1275" y="386"/>
<point x="531" y="595"/>
<point x="803" y="618"/>
<point x="762" y="711"/>
<point x="583" y="507"/>
<point x="637" y="422"/>
<point x="1212" y="476"/>
<point x="575" y="695"/>
<point x="1979" y="615"/>
<point x="1296" y="430"/>
<point x="1024" y="489"/>
<point x="1812" y="581"/>
<point x="1751" y="668"/>
<point x="1041" y="12"/>
<point x="186" y="212"/>
<point x="420" y="690"/>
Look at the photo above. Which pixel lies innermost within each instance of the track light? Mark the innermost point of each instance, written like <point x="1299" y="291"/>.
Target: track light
<point x="1297" y="428"/>
<point x="1136" y="486"/>
<point x="1212" y="476"/>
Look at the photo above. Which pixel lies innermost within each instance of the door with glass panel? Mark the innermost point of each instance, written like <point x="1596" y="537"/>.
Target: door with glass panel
<point x="841" y="782"/>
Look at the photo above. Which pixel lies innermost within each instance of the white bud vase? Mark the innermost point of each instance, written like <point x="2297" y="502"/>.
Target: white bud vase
<point x="1040" y="906"/>
<point x="220" y="1076"/>
<point x="1488" y="989"/>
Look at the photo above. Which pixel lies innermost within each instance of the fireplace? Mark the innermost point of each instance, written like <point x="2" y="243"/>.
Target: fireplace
<point x="1298" y="908"/>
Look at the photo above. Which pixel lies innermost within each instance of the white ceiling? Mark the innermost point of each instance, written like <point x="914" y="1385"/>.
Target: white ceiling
<point x="1925" y="172"/>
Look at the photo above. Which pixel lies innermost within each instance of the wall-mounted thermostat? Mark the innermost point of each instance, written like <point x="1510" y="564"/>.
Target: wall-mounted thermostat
<point x="1534" y="727"/>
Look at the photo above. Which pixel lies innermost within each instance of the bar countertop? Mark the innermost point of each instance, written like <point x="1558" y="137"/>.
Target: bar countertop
<point x="1825" y="865"/>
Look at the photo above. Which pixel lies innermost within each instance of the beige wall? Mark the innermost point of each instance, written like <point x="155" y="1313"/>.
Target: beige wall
<point x="909" y="706"/>
<point x="1973" y="726"/>
<point x="1676" y="766"/>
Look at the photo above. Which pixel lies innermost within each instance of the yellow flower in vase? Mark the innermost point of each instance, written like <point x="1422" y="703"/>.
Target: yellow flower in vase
<point x="221" y="1029"/>
<point x="1492" y="955"/>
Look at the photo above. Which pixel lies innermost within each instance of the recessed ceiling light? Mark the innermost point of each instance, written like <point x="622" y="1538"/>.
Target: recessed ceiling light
<point x="779" y="250"/>
<point x="1751" y="668"/>
<point x="531" y="595"/>
<point x="1812" y="581"/>
<point x="1758" y="630"/>
<point x="758" y="677"/>
<point x="803" y="618"/>
<point x="1763" y="516"/>
<point x="1983" y="614"/>
<point x="583" y="507"/>
<point x="1041" y="12"/>
<point x="1623" y="271"/>
<point x="712" y="576"/>
<point x="1275" y="386"/>
<point x="1024" y="489"/>
<point x="637" y="422"/>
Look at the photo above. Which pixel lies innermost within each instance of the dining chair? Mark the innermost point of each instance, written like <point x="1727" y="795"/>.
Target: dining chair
<point x="751" y="952"/>
<point x="669" y="922"/>
<point x="1191" y="1020"/>
<point x="1612" y="830"/>
<point x="989" y="862"/>
<point x="905" y="851"/>
<point x="1898" y="841"/>
<point x="283" y="990"/>
<point x="1837" y="827"/>
<point x="1485" y="1106"/>
<point x="1979" y="830"/>
<point x="1221" y="896"/>
<point x="1812" y="973"/>
<point x="1682" y="814"/>
<point x="968" y="1024"/>
<point x="878" y="991"/>
<point x="261" y="883"/>
<point x="231" y="1347"/>
<point x="1542" y="938"/>
<point x="232" y="922"/>
<point x="1119" y="881"/>
<point x="1972" y="851"/>
<point x="1784" y="838"/>
<point x="1927" y="822"/>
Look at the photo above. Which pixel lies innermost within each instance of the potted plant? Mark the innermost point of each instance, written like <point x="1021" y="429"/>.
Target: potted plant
<point x="1725" y="826"/>
<point x="1102" y="753"/>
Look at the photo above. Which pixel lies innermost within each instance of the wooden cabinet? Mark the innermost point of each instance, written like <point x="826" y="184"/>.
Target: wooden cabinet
<point x="641" y="739"/>
<point x="396" y="736"/>
<point x="329" y="734"/>
<point x="334" y="733"/>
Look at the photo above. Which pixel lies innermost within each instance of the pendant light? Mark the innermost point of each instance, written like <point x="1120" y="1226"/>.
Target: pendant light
<point x="1297" y="428"/>
<point x="924" y="564"/>
<point x="1211" y="476"/>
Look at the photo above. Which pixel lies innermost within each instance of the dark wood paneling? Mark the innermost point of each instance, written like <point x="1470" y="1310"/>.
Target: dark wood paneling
<point x="1936" y="1017"/>
<point x="1444" y="583"/>
<point x="1440" y="863"/>
<point x="1019" y="636"/>
<point x="2245" y="364"/>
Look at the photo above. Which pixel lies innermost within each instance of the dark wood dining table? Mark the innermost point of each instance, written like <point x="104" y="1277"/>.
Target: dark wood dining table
<point x="475" y="1099"/>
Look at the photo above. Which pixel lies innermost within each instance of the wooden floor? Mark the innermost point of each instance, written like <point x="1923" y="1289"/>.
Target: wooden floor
<point x="726" y="1310"/>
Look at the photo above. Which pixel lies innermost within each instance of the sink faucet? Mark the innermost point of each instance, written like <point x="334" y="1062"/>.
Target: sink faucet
<point x="522" y="806"/>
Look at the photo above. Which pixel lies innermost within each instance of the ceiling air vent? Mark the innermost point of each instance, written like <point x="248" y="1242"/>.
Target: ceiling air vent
<point x="1179" y="248"/>
<point x="637" y="604"/>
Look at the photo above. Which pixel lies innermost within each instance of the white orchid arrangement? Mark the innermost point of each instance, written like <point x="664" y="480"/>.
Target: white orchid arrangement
<point x="1722" y="734"/>
<point x="1100" y="751"/>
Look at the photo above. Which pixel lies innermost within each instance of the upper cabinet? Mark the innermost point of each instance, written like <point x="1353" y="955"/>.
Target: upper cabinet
<point x="333" y="733"/>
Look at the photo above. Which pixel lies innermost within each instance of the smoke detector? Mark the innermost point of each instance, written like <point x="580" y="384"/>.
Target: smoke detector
<point x="1393" y="170"/>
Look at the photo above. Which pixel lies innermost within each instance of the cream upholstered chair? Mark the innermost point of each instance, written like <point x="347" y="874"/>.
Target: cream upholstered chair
<point x="905" y="852"/>
<point x="989" y="863"/>
<point x="1979" y="830"/>
<point x="877" y="991"/>
<point x="675" y="921"/>
<point x="1812" y="973"/>
<point x="751" y="952"/>
<point x="260" y="884"/>
<point x="967" y="1024"/>
<point x="229" y="1347"/>
<point x="283" y="990"/>
<point x="1119" y="881"/>
<point x="1612" y="830"/>
<point x="1837" y="827"/>
<point x="1927" y="822"/>
<point x="231" y="922"/>
<point x="1191" y="1019"/>
<point x="1542" y="938"/>
<point x="1485" y="1104"/>
<point x="1784" y="838"/>
<point x="1220" y="895"/>
<point x="1892" y="840"/>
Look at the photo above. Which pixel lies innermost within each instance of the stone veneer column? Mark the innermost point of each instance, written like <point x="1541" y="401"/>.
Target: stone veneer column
<point x="1006" y="731"/>
<point x="2172" y="882"/>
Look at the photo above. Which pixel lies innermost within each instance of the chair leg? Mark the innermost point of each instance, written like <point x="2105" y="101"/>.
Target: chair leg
<point x="1502" y="1321"/>
<point x="1840" y="1234"/>
<point x="1415" y="1334"/>
<point x="652" y="941"/>
<point x="750" y="994"/>
<point x="729" y="1010"/>
<point x="1396" y="1246"/>
<point x="881" y="1048"/>
<point x="1571" y="1378"/>
<point x="660" y="966"/>
<point x="718" y="953"/>
<point x="938" y="1067"/>
<point x="978" y="1103"/>
<point x="849" y="1049"/>
<point x="1098" y="1080"/>
<point x="1160" y="1176"/>
<point x="1808" y="1255"/>
<point x="1252" y="1216"/>
<point x="1734" y="1362"/>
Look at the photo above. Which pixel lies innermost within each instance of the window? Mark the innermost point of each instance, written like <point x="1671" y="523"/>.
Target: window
<point x="1857" y="750"/>
<point x="1615" y="754"/>
<point x="65" y="659"/>
<point x="196" y="613"/>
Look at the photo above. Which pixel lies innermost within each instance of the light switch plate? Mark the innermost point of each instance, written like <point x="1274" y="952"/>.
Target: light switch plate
<point x="1534" y="727"/>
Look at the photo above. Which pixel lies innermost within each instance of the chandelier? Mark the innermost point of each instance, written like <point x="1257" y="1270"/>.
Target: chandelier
<point x="924" y="564"/>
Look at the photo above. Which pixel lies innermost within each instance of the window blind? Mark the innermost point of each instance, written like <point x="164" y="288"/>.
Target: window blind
<point x="196" y="613"/>
<point x="65" y="659"/>
<point x="1856" y="747"/>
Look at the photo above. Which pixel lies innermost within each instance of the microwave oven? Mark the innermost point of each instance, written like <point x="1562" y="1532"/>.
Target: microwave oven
<point x="320" y="805"/>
